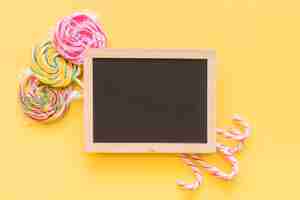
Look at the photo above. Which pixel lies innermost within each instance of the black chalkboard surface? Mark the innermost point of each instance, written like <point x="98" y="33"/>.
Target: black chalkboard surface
<point x="149" y="100"/>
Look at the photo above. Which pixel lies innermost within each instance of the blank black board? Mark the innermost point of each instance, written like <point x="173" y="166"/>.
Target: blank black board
<point x="149" y="100"/>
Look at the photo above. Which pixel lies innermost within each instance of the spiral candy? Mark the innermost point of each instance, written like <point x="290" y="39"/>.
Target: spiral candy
<point x="45" y="93"/>
<point x="75" y="34"/>
<point x="41" y="102"/>
<point x="51" y="68"/>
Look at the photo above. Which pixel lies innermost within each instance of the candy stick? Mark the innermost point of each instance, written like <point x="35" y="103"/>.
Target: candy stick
<point x="196" y="171"/>
<point x="51" y="68"/>
<point x="75" y="34"/>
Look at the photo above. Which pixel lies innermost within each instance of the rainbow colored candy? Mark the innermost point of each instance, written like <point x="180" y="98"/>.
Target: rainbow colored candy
<point x="75" y="34"/>
<point x="45" y="93"/>
<point x="41" y="102"/>
<point x="51" y="68"/>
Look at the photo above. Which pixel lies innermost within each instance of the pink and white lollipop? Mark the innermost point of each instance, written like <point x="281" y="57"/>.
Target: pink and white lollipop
<point x="75" y="34"/>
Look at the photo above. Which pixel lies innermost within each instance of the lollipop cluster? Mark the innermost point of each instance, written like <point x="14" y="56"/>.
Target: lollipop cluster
<point x="47" y="90"/>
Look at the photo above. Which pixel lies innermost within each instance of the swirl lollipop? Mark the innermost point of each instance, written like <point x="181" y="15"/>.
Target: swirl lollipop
<point x="51" y="68"/>
<point x="75" y="34"/>
<point x="41" y="102"/>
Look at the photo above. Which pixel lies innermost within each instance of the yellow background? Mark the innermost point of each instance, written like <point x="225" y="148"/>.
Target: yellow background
<point x="257" y="44"/>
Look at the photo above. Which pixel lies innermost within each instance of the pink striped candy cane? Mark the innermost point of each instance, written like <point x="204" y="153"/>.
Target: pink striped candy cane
<point x="227" y="152"/>
<point x="196" y="171"/>
<point x="216" y="171"/>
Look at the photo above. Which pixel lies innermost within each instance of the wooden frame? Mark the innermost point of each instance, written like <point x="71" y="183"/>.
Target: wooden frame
<point x="210" y="146"/>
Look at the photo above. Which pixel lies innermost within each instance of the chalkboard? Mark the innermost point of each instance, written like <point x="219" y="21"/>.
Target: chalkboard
<point x="145" y="99"/>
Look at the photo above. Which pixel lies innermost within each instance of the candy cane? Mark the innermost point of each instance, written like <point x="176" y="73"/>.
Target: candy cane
<point x="216" y="171"/>
<point x="227" y="152"/>
<point x="196" y="171"/>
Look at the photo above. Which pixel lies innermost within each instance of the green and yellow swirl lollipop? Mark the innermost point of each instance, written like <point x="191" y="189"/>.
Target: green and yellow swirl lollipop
<point x="52" y="69"/>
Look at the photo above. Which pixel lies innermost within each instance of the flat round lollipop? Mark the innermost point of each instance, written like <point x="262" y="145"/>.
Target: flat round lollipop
<point x="75" y="34"/>
<point x="51" y="68"/>
<point x="41" y="102"/>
